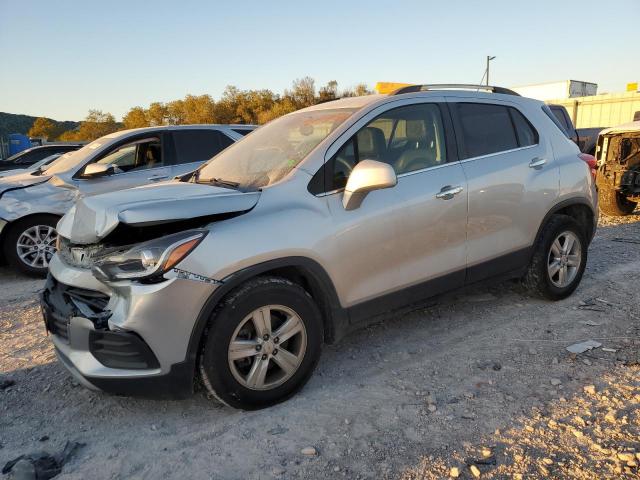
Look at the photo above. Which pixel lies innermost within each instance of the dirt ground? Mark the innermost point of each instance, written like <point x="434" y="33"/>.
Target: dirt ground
<point x="479" y="384"/>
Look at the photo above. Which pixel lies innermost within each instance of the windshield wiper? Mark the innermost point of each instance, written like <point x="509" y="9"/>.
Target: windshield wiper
<point x="223" y="182"/>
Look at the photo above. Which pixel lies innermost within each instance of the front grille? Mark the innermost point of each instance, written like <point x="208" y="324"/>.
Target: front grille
<point x="60" y="302"/>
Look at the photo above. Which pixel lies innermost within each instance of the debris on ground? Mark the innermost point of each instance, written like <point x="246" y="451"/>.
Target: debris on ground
<point x="583" y="346"/>
<point x="594" y="435"/>
<point x="40" y="465"/>
<point x="6" y="383"/>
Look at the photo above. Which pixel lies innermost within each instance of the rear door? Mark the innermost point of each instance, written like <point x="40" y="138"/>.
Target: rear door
<point x="195" y="146"/>
<point x="513" y="181"/>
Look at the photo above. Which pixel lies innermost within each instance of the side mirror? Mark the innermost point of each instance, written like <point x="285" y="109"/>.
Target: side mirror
<point x="366" y="176"/>
<point x="98" y="170"/>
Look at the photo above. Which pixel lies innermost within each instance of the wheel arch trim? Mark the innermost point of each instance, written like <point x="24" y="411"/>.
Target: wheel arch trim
<point x="335" y="318"/>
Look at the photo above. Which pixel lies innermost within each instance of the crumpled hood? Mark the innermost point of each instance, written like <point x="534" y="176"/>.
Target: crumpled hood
<point x="94" y="217"/>
<point x="21" y="180"/>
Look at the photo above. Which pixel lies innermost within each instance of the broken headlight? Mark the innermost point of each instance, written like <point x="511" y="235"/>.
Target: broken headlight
<point x="149" y="259"/>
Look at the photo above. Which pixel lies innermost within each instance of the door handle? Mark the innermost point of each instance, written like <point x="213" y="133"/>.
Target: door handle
<point x="157" y="178"/>
<point x="448" y="192"/>
<point x="537" y="162"/>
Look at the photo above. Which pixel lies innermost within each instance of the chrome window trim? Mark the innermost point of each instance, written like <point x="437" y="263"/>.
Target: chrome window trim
<point x="471" y="159"/>
<point x="402" y="175"/>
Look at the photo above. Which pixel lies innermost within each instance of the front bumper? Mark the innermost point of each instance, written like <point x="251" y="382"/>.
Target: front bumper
<point x="124" y="338"/>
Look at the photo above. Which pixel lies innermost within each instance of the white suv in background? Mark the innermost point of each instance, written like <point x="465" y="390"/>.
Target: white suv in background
<point x="32" y="203"/>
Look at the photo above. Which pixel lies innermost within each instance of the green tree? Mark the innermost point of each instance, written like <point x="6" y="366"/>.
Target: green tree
<point x="135" y="118"/>
<point x="303" y="92"/>
<point x="198" y="109"/>
<point x="42" y="128"/>
<point x="157" y="114"/>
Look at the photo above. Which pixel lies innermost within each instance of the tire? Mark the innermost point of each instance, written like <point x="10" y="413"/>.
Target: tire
<point x="613" y="203"/>
<point x="29" y="231"/>
<point x="542" y="278"/>
<point x="231" y="381"/>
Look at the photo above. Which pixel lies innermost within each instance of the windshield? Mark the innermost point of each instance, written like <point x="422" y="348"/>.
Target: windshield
<point x="16" y="156"/>
<point x="71" y="159"/>
<point x="272" y="151"/>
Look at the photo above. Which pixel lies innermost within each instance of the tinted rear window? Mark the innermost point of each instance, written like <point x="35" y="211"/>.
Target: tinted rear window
<point x="527" y="135"/>
<point x="486" y="129"/>
<point x="199" y="145"/>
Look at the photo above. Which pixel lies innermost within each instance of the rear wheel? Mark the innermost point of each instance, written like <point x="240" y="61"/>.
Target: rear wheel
<point x="30" y="243"/>
<point x="614" y="203"/>
<point x="559" y="259"/>
<point x="262" y="344"/>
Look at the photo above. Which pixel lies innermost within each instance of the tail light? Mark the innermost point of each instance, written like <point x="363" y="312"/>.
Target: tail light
<point x="591" y="161"/>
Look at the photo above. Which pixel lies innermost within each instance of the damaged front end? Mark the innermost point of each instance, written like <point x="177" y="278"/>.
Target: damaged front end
<point x="64" y="305"/>
<point x="619" y="163"/>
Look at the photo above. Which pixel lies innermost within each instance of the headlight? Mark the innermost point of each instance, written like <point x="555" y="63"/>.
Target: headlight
<point x="149" y="259"/>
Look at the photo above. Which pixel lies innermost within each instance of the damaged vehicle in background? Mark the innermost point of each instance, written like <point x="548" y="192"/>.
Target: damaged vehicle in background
<point x="41" y="165"/>
<point x="32" y="203"/>
<point x="618" y="160"/>
<point x="317" y="223"/>
<point x="30" y="156"/>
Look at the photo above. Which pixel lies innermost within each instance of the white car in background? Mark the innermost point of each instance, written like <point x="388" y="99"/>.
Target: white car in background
<point x="32" y="203"/>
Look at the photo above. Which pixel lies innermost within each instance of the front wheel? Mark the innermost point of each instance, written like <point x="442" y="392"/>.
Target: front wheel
<point x="262" y="344"/>
<point x="559" y="259"/>
<point x="30" y="243"/>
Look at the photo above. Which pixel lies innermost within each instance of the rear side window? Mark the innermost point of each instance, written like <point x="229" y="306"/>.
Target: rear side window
<point x="527" y="135"/>
<point x="486" y="129"/>
<point x="199" y="145"/>
<point x="555" y="120"/>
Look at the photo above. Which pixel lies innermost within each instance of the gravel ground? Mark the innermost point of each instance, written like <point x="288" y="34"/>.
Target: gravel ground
<point x="480" y="382"/>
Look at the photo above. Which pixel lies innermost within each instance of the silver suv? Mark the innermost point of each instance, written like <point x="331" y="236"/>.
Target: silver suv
<point x="318" y="223"/>
<point x="32" y="203"/>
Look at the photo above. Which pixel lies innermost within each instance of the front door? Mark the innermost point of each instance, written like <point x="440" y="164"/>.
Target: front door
<point x="136" y="163"/>
<point x="400" y="238"/>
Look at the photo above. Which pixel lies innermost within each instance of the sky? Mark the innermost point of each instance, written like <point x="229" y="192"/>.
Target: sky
<point x="62" y="58"/>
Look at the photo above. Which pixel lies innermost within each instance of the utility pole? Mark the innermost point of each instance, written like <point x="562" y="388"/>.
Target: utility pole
<point x="488" y="60"/>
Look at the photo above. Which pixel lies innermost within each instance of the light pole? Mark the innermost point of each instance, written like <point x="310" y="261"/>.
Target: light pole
<point x="488" y="60"/>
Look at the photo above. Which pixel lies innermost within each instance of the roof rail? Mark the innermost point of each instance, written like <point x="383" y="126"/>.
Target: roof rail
<point x="454" y="86"/>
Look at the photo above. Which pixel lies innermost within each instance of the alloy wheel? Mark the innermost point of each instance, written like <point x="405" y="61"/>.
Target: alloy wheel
<point x="36" y="246"/>
<point x="565" y="257"/>
<point x="267" y="347"/>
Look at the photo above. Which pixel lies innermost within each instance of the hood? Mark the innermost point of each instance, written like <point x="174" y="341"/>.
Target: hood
<point x="21" y="180"/>
<point x="624" y="128"/>
<point x="94" y="217"/>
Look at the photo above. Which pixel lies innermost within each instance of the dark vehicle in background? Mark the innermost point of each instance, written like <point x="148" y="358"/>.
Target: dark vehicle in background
<point x="585" y="138"/>
<point x="618" y="160"/>
<point x="28" y="157"/>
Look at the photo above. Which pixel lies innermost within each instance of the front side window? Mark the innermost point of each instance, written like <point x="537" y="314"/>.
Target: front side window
<point x="272" y="151"/>
<point x="139" y="155"/>
<point x="488" y="128"/>
<point x="407" y="138"/>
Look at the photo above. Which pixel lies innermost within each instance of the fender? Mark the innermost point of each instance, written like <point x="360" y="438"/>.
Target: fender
<point x="335" y="325"/>
<point x="564" y="204"/>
